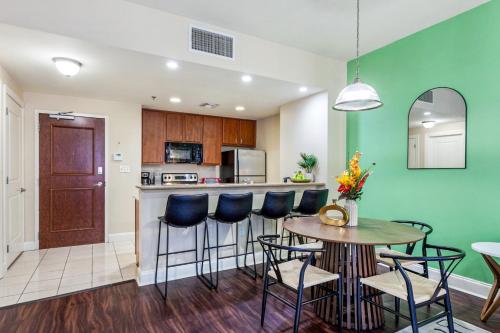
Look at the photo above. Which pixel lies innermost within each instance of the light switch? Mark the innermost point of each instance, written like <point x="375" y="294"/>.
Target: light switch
<point x="99" y="170"/>
<point x="124" y="168"/>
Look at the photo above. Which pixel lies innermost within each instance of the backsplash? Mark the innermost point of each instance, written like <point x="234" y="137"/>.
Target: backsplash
<point x="202" y="171"/>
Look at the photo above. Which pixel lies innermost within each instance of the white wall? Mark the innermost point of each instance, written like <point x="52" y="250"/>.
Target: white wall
<point x="268" y="139"/>
<point x="304" y="128"/>
<point x="124" y="136"/>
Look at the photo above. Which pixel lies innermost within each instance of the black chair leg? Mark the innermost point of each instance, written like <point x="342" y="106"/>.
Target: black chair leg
<point x="264" y="301"/>
<point x="413" y="315"/>
<point x="340" y="305"/>
<point x="397" y="308"/>
<point x="449" y="312"/>
<point x="358" y="313"/>
<point x="166" y="264"/>
<point x="158" y="258"/>
<point x="250" y="235"/>
<point x="263" y="255"/>
<point x="207" y="282"/>
<point x="298" y="309"/>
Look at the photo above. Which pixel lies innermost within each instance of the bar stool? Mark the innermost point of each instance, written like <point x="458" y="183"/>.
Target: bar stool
<point x="310" y="204"/>
<point x="276" y="205"/>
<point x="184" y="211"/>
<point x="232" y="209"/>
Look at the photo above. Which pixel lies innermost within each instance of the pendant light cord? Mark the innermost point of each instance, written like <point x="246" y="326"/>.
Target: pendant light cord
<point x="357" y="41"/>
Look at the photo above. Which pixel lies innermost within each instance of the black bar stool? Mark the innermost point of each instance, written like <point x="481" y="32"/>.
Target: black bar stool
<point x="184" y="211"/>
<point x="276" y="205"/>
<point x="232" y="209"/>
<point x="310" y="204"/>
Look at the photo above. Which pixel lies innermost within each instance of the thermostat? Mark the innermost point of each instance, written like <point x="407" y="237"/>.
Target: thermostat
<point x="117" y="157"/>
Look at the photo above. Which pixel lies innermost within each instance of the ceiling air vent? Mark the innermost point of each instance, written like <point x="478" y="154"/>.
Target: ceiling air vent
<point x="212" y="42"/>
<point x="427" y="97"/>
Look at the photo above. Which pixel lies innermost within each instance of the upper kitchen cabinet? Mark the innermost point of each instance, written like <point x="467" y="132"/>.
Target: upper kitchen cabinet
<point x="239" y="132"/>
<point x="153" y="136"/>
<point x="212" y="140"/>
<point x="193" y="128"/>
<point x="174" y="127"/>
<point x="248" y="132"/>
<point x="230" y="131"/>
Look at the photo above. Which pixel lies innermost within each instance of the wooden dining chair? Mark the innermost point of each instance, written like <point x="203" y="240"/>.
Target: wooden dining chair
<point x="410" y="249"/>
<point x="417" y="290"/>
<point x="296" y="275"/>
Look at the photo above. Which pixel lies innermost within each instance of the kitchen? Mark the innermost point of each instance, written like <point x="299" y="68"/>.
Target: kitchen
<point x="186" y="153"/>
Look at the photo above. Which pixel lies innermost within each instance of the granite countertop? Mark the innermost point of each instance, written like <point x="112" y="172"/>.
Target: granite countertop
<point x="204" y="186"/>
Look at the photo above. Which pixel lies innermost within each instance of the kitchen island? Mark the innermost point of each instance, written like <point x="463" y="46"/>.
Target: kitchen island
<point x="151" y="203"/>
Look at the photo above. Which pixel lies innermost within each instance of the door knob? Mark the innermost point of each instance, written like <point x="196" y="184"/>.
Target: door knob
<point x="99" y="184"/>
<point x="22" y="190"/>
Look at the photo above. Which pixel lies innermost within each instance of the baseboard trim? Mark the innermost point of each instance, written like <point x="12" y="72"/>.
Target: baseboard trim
<point x="29" y="246"/>
<point x="121" y="237"/>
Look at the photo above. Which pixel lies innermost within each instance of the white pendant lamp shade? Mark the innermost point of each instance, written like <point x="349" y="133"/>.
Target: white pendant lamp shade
<point x="357" y="96"/>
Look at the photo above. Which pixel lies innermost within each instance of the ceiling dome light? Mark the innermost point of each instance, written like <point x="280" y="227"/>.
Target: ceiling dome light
<point x="240" y="108"/>
<point x="175" y="100"/>
<point x="428" y="113"/>
<point x="429" y="123"/>
<point x="357" y="96"/>
<point x="303" y="89"/>
<point x="66" y="66"/>
<point x="173" y="65"/>
<point x="246" y="78"/>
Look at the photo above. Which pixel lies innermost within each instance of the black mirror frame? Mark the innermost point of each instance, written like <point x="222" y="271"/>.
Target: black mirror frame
<point x="466" y="129"/>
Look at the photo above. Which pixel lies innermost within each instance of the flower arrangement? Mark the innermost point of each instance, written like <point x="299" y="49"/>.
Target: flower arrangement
<point x="352" y="180"/>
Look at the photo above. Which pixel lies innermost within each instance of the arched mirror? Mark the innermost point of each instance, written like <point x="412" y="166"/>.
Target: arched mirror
<point x="437" y="130"/>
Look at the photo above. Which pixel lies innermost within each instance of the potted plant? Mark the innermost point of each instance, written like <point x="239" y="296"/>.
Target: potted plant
<point x="308" y="163"/>
<point x="351" y="186"/>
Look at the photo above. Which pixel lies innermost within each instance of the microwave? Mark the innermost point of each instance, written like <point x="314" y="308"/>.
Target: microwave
<point x="183" y="153"/>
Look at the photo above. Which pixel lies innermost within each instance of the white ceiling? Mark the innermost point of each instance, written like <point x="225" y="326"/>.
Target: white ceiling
<point x="325" y="27"/>
<point x="116" y="74"/>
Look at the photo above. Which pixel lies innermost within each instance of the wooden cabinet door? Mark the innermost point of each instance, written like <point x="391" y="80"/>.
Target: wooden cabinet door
<point x="193" y="128"/>
<point x="175" y="127"/>
<point x="153" y="137"/>
<point x="212" y="140"/>
<point x="230" y="132"/>
<point x="248" y="133"/>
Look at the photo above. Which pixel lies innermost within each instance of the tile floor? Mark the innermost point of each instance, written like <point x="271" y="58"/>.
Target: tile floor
<point x="46" y="273"/>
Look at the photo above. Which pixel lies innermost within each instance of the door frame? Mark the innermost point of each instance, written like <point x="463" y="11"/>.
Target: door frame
<point x="417" y="159"/>
<point x="37" y="169"/>
<point x="5" y="91"/>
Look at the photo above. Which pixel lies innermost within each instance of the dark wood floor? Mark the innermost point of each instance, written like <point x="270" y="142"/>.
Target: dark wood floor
<point x="235" y="307"/>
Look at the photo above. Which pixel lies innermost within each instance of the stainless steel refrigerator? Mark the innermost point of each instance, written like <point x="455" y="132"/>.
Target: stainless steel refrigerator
<point x="246" y="166"/>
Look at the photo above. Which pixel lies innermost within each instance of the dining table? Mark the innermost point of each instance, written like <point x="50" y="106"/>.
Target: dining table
<point x="350" y="252"/>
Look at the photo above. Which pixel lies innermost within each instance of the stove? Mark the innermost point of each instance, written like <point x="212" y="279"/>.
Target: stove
<point x="179" y="178"/>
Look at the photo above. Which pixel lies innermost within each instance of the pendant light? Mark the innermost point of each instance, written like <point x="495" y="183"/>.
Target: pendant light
<point x="357" y="96"/>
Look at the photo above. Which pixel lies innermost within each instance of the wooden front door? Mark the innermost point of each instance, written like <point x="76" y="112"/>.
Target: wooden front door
<point x="71" y="181"/>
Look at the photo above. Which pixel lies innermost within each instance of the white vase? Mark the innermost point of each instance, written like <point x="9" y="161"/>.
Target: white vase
<point x="352" y="209"/>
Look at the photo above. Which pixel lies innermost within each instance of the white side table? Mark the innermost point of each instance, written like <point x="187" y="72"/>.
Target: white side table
<point x="488" y="251"/>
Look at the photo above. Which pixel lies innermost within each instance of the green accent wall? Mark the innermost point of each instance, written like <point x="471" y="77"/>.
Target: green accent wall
<point x="463" y="206"/>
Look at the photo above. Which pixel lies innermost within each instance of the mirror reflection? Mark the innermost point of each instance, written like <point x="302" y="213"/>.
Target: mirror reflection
<point x="437" y="130"/>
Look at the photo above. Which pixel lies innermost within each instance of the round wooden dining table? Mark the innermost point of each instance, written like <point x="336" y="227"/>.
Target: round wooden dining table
<point x="350" y="252"/>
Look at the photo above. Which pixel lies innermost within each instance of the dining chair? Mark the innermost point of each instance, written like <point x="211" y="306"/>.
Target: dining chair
<point x="296" y="275"/>
<point x="410" y="248"/>
<point x="417" y="290"/>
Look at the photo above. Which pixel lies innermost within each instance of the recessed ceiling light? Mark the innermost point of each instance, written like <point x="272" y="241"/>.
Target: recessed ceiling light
<point x="175" y="100"/>
<point x="246" y="78"/>
<point x="428" y="124"/>
<point x="171" y="64"/>
<point x="240" y="108"/>
<point x="66" y="66"/>
<point x="303" y="89"/>
<point x="427" y="113"/>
